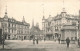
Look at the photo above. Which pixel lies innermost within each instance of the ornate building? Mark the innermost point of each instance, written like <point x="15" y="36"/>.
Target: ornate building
<point x="62" y="25"/>
<point x="14" y="29"/>
<point x="66" y="25"/>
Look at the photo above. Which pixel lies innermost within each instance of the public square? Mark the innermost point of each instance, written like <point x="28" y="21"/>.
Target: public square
<point x="22" y="22"/>
<point x="27" y="45"/>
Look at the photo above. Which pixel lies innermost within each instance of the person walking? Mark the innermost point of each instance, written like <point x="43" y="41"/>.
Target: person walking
<point x="79" y="42"/>
<point x="59" y="40"/>
<point x="33" y="40"/>
<point x="37" y="40"/>
<point x="44" y="39"/>
<point x="67" y="41"/>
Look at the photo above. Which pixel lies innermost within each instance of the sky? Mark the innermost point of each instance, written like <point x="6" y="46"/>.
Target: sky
<point x="33" y="9"/>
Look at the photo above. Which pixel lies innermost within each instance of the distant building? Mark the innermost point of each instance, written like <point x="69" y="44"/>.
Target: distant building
<point x="62" y="25"/>
<point x="35" y="32"/>
<point x="14" y="29"/>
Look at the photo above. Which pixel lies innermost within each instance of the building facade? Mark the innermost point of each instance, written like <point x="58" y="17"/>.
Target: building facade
<point x="62" y="25"/>
<point x="66" y="25"/>
<point x="48" y="27"/>
<point x="14" y="29"/>
<point x="79" y="25"/>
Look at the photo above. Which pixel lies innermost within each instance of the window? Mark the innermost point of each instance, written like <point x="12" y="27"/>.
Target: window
<point x="9" y="30"/>
<point x="56" y="28"/>
<point x="9" y="25"/>
<point x="74" y="23"/>
<point x="68" y="20"/>
<point x="71" y="38"/>
<point x="12" y="30"/>
<point x="15" y="25"/>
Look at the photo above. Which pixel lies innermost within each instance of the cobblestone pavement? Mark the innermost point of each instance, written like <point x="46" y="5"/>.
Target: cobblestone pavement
<point x="42" y="46"/>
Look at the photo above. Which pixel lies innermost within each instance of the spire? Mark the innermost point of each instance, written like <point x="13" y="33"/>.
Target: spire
<point x="43" y="18"/>
<point x="33" y="23"/>
<point x="23" y="19"/>
<point x="37" y="25"/>
<point x="79" y="13"/>
<point x="49" y="15"/>
<point x="63" y="9"/>
<point x="43" y="9"/>
<point x="6" y="10"/>
<point x="79" y="16"/>
<point x="63" y="3"/>
<point x="5" y="16"/>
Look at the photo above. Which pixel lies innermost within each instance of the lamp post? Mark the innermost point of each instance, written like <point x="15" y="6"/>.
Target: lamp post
<point x="3" y="36"/>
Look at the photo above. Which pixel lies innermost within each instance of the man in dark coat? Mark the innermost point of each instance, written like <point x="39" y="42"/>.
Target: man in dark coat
<point x="44" y="39"/>
<point x="67" y="41"/>
<point x="59" y="40"/>
<point x="79" y="42"/>
<point x="37" y="40"/>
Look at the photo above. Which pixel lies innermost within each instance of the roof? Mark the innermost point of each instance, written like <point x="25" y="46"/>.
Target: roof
<point x="12" y="20"/>
<point x="35" y="30"/>
<point x="49" y="19"/>
<point x="67" y="16"/>
<point x="1" y="19"/>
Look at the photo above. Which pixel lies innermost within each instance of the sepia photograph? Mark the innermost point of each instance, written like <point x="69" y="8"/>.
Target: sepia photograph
<point x="39" y="25"/>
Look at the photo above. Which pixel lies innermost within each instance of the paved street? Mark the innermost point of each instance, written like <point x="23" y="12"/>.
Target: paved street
<point x="42" y="46"/>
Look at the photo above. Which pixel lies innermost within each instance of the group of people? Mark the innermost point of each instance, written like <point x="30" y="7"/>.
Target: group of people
<point x="35" y="40"/>
<point x="68" y="41"/>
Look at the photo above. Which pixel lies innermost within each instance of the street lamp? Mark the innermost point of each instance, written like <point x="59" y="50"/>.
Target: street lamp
<point x="3" y="35"/>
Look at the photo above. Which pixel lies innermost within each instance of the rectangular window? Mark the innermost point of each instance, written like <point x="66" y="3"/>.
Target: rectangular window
<point x="74" y="23"/>
<point x="12" y="30"/>
<point x="9" y="25"/>
<point x="9" y="30"/>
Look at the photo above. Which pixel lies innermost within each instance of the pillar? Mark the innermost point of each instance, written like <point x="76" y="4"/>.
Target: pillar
<point x="63" y="37"/>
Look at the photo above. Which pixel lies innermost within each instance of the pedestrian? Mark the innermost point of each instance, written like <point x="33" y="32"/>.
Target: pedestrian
<point x="67" y="41"/>
<point x="33" y="40"/>
<point x="22" y="39"/>
<point x="37" y="40"/>
<point x="59" y="40"/>
<point x="55" y="39"/>
<point x="79" y="42"/>
<point x="44" y="39"/>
